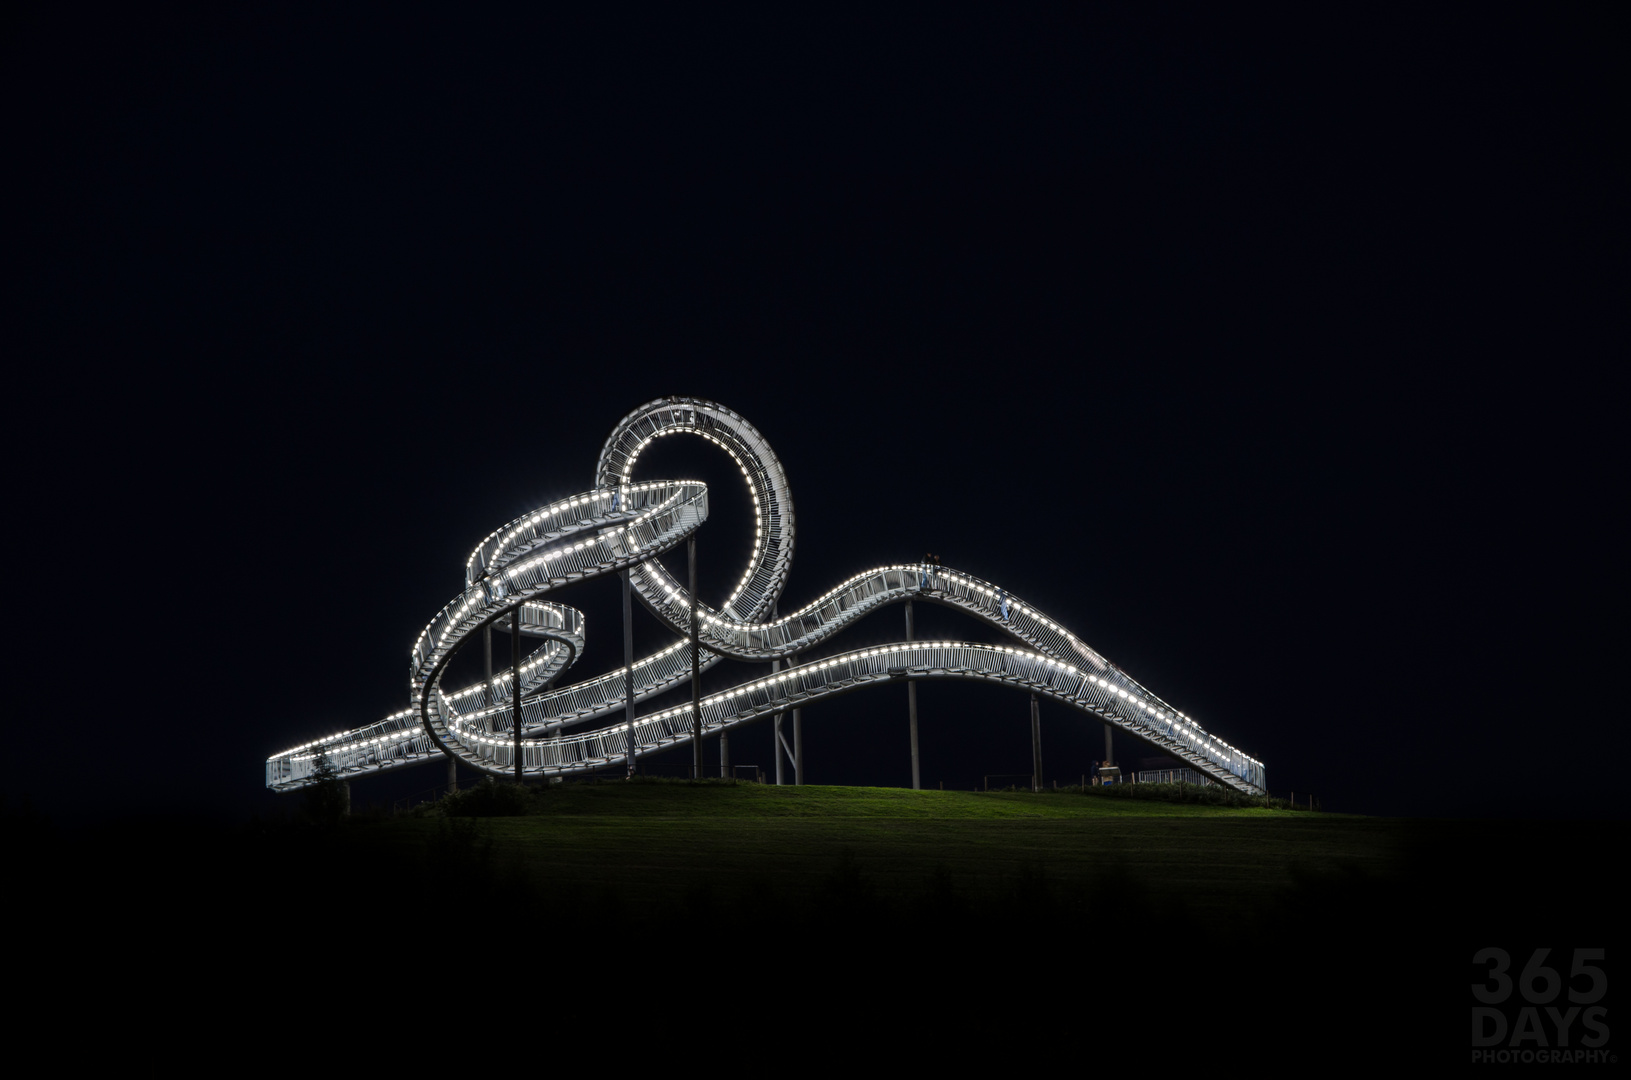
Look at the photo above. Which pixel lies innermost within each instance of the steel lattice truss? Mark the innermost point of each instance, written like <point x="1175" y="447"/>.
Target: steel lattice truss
<point x="621" y="525"/>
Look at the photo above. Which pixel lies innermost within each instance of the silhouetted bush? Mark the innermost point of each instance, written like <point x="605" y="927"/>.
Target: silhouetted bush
<point x="489" y="799"/>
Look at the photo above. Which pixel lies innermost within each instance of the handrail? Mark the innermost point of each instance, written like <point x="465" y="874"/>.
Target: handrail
<point x="620" y="525"/>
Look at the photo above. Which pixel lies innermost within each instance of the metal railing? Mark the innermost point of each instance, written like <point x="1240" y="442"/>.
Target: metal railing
<point x="620" y="526"/>
<point x="1172" y="776"/>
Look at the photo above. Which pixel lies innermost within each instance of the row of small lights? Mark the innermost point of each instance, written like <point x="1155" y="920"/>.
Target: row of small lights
<point x="1182" y="721"/>
<point x="627" y="471"/>
<point x="537" y="517"/>
<point x="556" y="508"/>
<point x="972" y="583"/>
<point x="380" y="740"/>
<point x="1189" y="727"/>
<point x="504" y="678"/>
<point x="759" y="525"/>
<point x="516" y="571"/>
<point x="471" y="718"/>
<point x="344" y="737"/>
<point x="543" y="608"/>
<point x="539" y="560"/>
<point x="608" y="677"/>
<point x="979" y="586"/>
<point x="677" y="598"/>
<point x="469" y="601"/>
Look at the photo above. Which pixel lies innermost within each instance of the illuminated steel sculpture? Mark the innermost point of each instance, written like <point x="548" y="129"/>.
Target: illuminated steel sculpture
<point x="620" y="527"/>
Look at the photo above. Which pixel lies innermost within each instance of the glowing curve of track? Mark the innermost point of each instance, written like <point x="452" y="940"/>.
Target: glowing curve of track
<point x="623" y="525"/>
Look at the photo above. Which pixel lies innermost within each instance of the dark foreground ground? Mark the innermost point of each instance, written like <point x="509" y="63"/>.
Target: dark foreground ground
<point x="1058" y="927"/>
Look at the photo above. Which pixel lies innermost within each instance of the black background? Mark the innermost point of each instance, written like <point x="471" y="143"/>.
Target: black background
<point x="1273" y="358"/>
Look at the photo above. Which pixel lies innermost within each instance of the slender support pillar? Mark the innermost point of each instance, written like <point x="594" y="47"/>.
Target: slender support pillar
<point x="798" y="747"/>
<point x="911" y="706"/>
<point x="696" y="662"/>
<point x="724" y="755"/>
<point x="1036" y="745"/>
<point x="776" y="721"/>
<point x="798" y="738"/>
<point x="515" y="686"/>
<point x="776" y="731"/>
<point x="628" y="663"/>
<point x="487" y="647"/>
<point x="1108" y="760"/>
<point x="452" y="774"/>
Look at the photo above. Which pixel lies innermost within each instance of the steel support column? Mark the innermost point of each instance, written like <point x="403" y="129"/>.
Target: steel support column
<point x="798" y="737"/>
<point x="515" y="684"/>
<point x="776" y="731"/>
<point x="628" y="663"/>
<point x="487" y="647"/>
<point x="911" y="707"/>
<point x="776" y="721"/>
<point x="1036" y="745"/>
<point x="696" y="660"/>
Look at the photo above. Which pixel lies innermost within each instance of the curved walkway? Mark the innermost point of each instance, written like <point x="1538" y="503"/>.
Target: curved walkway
<point x="620" y="525"/>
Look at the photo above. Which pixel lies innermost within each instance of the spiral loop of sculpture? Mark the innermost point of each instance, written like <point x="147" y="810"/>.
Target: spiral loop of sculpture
<point x="623" y="525"/>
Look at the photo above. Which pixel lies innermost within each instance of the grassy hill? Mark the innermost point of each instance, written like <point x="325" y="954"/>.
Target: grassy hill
<point x="1163" y="878"/>
<point x="751" y="904"/>
<point x="650" y="848"/>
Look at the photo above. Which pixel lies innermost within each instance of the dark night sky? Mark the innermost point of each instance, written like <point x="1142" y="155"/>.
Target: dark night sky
<point x="1272" y="359"/>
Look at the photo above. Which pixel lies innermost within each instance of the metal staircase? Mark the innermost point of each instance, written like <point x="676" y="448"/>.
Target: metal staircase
<point x="620" y="525"/>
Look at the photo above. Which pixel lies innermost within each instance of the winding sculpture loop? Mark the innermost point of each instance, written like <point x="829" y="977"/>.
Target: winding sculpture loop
<point x="622" y="525"/>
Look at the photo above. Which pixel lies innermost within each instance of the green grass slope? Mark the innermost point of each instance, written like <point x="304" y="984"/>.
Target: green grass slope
<point x="839" y="905"/>
<point x="649" y="847"/>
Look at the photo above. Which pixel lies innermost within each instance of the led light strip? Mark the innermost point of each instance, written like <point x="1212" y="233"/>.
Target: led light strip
<point x="623" y="525"/>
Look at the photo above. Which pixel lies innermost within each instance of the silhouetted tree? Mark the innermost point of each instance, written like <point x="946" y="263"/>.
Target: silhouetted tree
<point x="327" y="799"/>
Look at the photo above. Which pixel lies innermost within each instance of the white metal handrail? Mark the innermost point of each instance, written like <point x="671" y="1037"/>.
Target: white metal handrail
<point x="621" y="525"/>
